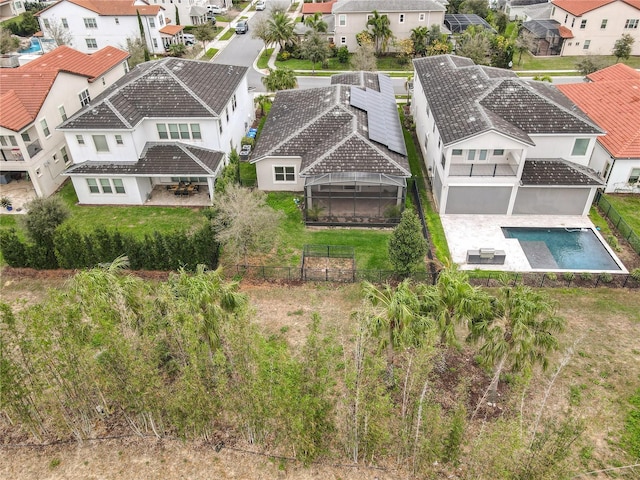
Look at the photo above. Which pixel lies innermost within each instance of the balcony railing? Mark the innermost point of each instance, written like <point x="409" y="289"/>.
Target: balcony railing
<point x="33" y="148"/>
<point x="12" y="155"/>
<point x="482" y="170"/>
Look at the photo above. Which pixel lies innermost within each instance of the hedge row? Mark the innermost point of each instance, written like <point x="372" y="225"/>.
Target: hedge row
<point x="73" y="249"/>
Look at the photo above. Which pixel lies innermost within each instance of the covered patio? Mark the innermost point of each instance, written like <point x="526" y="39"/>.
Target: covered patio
<point x="163" y="196"/>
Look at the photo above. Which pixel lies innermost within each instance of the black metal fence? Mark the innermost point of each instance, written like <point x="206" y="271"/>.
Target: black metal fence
<point x="331" y="251"/>
<point x="616" y="219"/>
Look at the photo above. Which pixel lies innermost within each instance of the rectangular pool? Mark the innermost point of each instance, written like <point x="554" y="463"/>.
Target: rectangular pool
<point x="562" y="248"/>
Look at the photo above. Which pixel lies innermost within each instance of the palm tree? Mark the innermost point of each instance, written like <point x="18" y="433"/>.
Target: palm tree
<point x="315" y="48"/>
<point x="263" y="101"/>
<point x="420" y="36"/>
<point x="281" y="28"/>
<point x="380" y="30"/>
<point x="316" y="23"/>
<point x="280" y="79"/>
<point x="396" y="318"/>
<point x="519" y="335"/>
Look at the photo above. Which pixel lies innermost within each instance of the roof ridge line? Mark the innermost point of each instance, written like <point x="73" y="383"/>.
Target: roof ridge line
<point x="374" y="145"/>
<point x="115" y="111"/>
<point x="327" y="152"/>
<point x="188" y="89"/>
<point x="184" y="147"/>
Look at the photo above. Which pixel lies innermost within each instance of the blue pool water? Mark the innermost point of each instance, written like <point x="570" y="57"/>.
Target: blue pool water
<point x="35" y="47"/>
<point x="562" y="248"/>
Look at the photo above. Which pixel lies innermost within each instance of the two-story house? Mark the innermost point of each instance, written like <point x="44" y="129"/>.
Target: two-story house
<point x="351" y="17"/>
<point x="595" y="25"/>
<point x="499" y="145"/>
<point x="611" y="98"/>
<point x="38" y="96"/>
<point x="94" y="24"/>
<point x="185" y="12"/>
<point x="11" y="8"/>
<point x="165" y="122"/>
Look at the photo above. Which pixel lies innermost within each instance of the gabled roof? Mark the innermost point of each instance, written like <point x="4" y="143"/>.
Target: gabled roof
<point x="171" y="29"/>
<point x="168" y="88"/>
<point x="384" y="6"/>
<point x="23" y="90"/>
<point x="612" y="100"/>
<point x="580" y="7"/>
<point x="158" y="159"/>
<point x="120" y="8"/>
<point x="467" y="100"/>
<point x="311" y="8"/>
<point x="321" y="126"/>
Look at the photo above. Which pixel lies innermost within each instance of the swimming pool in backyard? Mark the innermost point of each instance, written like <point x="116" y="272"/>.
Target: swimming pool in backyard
<point x="562" y="248"/>
<point x="34" y="47"/>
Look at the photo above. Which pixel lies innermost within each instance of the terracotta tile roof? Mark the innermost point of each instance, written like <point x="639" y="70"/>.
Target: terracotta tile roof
<point x="113" y="7"/>
<point x="171" y="29"/>
<point x="23" y="90"/>
<point x="311" y="8"/>
<point x="565" y="32"/>
<point x="613" y="102"/>
<point x="580" y="7"/>
<point x="633" y="3"/>
<point x="618" y="71"/>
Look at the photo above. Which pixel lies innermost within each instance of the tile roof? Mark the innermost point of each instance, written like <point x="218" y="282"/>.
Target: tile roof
<point x="311" y="8"/>
<point x="580" y="7"/>
<point x="633" y="3"/>
<point x="359" y="79"/>
<point x="171" y="29"/>
<point x="468" y="99"/>
<point x="23" y="90"/>
<point x="383" y="6"/>
<point x="613" y="102"/>
<point x="113" y="7"/>
<point x="158" y="159"/>
<point x="320" y="126"/>
<point x="524" y="3"/>
<point x="557" y="172"/>
<point x="564" y="32"/>
<point x="167" y="88"/>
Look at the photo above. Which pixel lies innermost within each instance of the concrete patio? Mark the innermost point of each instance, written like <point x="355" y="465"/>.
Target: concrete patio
<point x="160" y="196"/>
<point x="20" y="192"/>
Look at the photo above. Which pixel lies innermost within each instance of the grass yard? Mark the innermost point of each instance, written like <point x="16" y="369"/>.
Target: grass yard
<point x="210" y="54"/>
<point x="370" y="244"/>
<point x="301" y="64"/>
<point x="264" y="58"/>
<point x="628" y="206"/>
<point x="529" y="62"/>
<point x="228" y="34"/>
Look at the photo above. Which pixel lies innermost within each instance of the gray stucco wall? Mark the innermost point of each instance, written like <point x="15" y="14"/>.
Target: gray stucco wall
<point x="437" y="187"/>
<point x="550" y="201"/>
<point x="482" y="200"/>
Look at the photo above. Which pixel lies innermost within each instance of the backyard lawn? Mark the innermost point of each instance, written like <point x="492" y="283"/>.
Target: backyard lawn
<point x="628" y="206"/>
<point x="529" y="62"/>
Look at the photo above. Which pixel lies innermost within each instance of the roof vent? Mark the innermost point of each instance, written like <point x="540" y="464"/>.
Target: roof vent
<point x="471" y="119"/>
<point x="94" y="111"/>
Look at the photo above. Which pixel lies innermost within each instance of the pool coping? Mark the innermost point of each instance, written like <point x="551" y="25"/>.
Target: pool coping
<point x="472" y="232"/>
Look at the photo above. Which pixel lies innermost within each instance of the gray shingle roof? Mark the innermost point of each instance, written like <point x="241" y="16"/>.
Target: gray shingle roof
<point x="468" y="99"/>
<point x="524" y="3"/>
<point x="320" y="126"/>
<point x="359" y="79"/>
<point x="382" y="6"/>
<point x="167" y="88"/>
<point x="558" y="172"/>
<point x="158" y="159"/>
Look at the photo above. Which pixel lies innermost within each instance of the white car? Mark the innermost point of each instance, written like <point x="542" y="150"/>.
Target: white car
<point x="188" y="39"/>
<point x="215" y="9"/>
<point x="261" y="5"/>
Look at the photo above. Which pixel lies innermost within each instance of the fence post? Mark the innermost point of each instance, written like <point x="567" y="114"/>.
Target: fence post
<point x="542" y="281"/>
<point x="625" y="281"/>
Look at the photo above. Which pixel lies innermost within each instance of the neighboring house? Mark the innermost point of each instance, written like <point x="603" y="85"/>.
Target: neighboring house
<point x="37" y="97"/>
<point x="611" y="100"/>
<point x="595" y="25"/>
<point x="190" y="12"/>
<point x="515" y="9"/>
<point x="168" y="121"/>
<point x="351" y="18"/>
<point x="94" y="24"/>
<point x="497" y="144"/>
<point x="11" y="8"/>
<point x="548" y="36"/>
<point x="341" y="145"/>
<point x="539" y="11"/>
<point x="324" y="8"/>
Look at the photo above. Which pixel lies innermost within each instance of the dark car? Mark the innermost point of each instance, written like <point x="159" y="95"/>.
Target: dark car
<point x="242" y="26"/>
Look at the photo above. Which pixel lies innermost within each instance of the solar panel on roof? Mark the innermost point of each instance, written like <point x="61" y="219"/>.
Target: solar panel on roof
<point x="386" y="87"/>
<point x="358" y="98"/>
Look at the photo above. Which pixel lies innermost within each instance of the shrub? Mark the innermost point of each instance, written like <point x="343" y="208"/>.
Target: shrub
<point x="551" y="276"/>
<point x="585" y="276"/>
<point x="248" y="141"/>
<point x="606" y="277"/>
<point x="342" y="54"/>
<point x="635" y="274"/>
<point x="612" y="240"/>
<point x="283" y="56"/>
<point x="568" y="276"/>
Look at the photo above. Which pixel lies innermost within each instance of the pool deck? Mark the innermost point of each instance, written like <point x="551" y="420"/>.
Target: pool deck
<point x="472" y="232"/>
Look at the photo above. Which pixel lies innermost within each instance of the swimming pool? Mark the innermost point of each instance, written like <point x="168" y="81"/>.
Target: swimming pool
<point x="35" y="46"/>
<point x="562" y="248"/>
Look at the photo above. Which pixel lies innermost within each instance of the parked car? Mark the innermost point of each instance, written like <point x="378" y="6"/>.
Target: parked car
<point x="261" y="5"/>
<point x="242" y="26"/>
<point x="215" y="9"/>
<point x="188" y="39"/>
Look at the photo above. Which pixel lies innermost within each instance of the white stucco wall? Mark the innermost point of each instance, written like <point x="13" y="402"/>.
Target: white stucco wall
<point x="136" y="191"/>
<point x="265" y="174"/>
<point x="560" y="146"/>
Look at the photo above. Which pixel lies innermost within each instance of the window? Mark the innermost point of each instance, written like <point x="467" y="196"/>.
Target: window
<point x="603" y="25"/>
<point x="343" y="40"/>
<point x="580" y="147"/>
<point x="161" y="20"/>
<point x="162" y="131"/>
<point x="45" y="22"/>
<point x="63" y="113"/>
<point x="342" y="20"/>
<point x="93" y="185"/>
<point x="226" y="113"/>
<point x="85" y="98"/>
<point x="5" y="141"/>
<point x="421" y="17"/>
<point x="456" y="152"/>
<point x="369" y="16"/>
<point x="401" y="18"/>
<point x="80" y="139"/>
<point x="634" y="177"/>
<point x="498" y="153"/>
<point x="173" y="131"/>
<point x="65" y="24"/>
<point x="90" y="23"/>
<point x="471" y="155"/>
<point x="577" y="43"/>
<point x="119" y="140"/>
<point x="586" y="44"/>
<point x="566" y="17"/>
<point x="100" y="142"/>
<point x="155" y="42"/>
<point x="184" y="131"/>
<point x="25" y="136"/>
<point x="195" y="131"/>
<point x="45" y="127"/>
<point x="284" y="174"/>
<point x="573" y="22"/>
<point x="65" y="155"/>
<point x="553" y="11"/>
<point x="631" y="23"/>
<point x="104" y="82"/>
<point x="117" y="20"/>
<point x="220" y="125"/>
<point x="91" y="43"/>
<point x="55" y="158"/>
<point x="152" y="22"/>
<point x="583" y="24"/>
<point x="118" y="185"/>
<point x="234" y="103"/>
<point x="483" y="155"/>
<point x="105" y="185"/>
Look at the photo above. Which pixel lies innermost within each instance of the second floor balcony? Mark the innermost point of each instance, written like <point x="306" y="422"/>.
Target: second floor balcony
<point x="15" y="154"/>
<point x="483" y="170"/>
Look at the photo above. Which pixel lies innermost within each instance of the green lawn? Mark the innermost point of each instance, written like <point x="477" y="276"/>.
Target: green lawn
<point x="628" y="206"/>
<point x="229" y="33"/>
<point x="248" y="174"/>
<point x="301" y="64"/>
<point x="210" y="54"/>
<point x="264" y="58"/>
<point x="529" y="62"/>
<point x="370" y="244"/>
